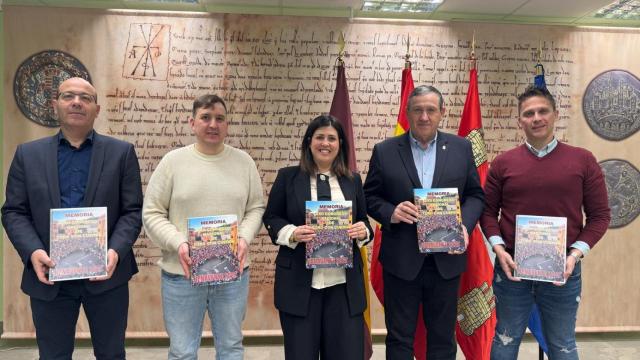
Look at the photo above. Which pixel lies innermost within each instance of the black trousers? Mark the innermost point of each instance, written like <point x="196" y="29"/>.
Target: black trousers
<point x="402" y="299"/>
<point x="328" y="331"/>
<point x="55" y="321"/>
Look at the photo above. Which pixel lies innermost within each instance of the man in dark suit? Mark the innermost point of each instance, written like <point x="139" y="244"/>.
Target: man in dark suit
<point x="422" y="158"/>
<point x="75" y="168"/>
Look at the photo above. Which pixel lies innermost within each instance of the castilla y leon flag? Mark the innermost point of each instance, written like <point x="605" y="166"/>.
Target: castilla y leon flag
<point x="402" y="126"/>
<point x="476" y="319"/>
<point x="341" y="110"/>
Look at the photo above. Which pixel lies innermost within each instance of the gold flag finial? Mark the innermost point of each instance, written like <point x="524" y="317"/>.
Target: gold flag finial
<point x="472" y="57"/>
<point x="341" y="45"/>
<point x="473" y="44"/>
<point x="407" y="56"/>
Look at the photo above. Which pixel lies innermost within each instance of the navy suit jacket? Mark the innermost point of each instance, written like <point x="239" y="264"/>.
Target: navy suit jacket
<point x="286" y="205"/>
<point x="391" y="179"/>
<point x="33" y="189"/>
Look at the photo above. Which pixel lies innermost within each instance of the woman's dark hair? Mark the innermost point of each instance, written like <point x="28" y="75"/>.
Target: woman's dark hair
<point x="340" y="166"/>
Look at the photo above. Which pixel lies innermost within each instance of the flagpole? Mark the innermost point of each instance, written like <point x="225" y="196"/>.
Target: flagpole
<point x="407" y="56"/>
<point x="539" y="71"/>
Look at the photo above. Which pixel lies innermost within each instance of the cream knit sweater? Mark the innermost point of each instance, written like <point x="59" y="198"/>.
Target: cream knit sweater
<point x="187" y="183"/>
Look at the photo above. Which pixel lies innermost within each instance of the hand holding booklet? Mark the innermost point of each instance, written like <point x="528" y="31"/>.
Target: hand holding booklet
<point x="540" y="248"/>
<point x="213" y="245"/>
<point x="439" y="220"/>
<point x="78" y="243"/>
<point x="332" y="247"/>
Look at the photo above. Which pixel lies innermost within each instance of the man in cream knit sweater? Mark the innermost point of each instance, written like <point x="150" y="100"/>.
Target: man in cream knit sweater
<point x="203" y="179"/>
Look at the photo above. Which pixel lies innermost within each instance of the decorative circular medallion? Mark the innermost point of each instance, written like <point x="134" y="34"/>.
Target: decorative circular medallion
<point x="36" y="83"/>
<point x="623" y="188"/>
<point x="610" y="104"/>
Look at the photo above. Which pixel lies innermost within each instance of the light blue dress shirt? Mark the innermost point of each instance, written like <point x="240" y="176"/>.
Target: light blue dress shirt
<point x="424" y="159"/>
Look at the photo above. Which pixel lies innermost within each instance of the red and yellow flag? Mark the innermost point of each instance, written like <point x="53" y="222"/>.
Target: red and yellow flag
<point x="402" y="126"/>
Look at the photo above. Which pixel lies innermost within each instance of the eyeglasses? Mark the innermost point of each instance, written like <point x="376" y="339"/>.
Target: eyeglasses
<point x="70" y="96"/>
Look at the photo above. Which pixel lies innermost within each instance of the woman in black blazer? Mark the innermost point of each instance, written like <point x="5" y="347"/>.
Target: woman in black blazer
<point x="321" y="310"/>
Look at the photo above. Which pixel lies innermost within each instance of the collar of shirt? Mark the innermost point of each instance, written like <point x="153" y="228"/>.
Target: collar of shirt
<point x="88" y="140"/>
<point x="417" y="145"/>
<point x="336" y="191"/>
<point x="545" y="150"/>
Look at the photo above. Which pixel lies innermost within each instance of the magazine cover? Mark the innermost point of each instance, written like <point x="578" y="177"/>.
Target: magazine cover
<point x="78" y="243"/>
<point x="540" y="247"/>
<point x="439" y="220"/>
<point x="332" y="247"/>
<point x="213" y="243"/>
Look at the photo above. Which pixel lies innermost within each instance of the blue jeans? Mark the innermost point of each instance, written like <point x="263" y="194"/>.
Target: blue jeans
<point x="558" y="307"/>
<point x="184" y="307"/>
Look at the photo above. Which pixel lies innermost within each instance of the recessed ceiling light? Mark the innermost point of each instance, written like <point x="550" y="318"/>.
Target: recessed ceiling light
<point x="408" y="6"/>
<point x="621" y="9"/>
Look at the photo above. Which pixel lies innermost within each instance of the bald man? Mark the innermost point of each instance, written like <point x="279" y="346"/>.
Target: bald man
<point x="77" y="167"/>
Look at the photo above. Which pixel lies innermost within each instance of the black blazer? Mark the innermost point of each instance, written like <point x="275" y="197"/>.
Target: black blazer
<point x="391" y="179"/>
<point x="286" y="205"/>
<point x="32" y="190"/>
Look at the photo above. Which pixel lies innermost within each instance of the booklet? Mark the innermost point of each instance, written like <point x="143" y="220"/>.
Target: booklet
<point x="213" y="244"/>
<point x="78" y="243"/>
<point x="332" y="247"/>
<point x="439" y="220"/>
<point x="540" y="248"/>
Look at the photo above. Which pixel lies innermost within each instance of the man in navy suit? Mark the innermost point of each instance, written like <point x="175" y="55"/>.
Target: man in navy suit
<point x="422" y="158"/>
<point x="75" y="168"/>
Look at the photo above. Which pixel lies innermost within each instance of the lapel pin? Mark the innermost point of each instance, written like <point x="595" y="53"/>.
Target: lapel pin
<point x="444" y="147"/>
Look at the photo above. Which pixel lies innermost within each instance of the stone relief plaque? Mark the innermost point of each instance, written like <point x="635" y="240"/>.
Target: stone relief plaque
<point x="36" y="83"/>
<point x="623" y="188"/>
<point x="611" y="104"/>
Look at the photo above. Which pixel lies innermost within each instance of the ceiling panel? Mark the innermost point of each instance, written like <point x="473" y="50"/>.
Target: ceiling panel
<point x="356" y="4"/>
<point x="291" y="3"/>
<point x="501" y="7"/>
<point x="557" y="12"/>
<point x="243" y="2"/>
<point x="561" y="8"/>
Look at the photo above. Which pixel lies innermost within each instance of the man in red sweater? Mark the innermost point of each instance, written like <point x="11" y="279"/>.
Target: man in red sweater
<point x="548" y="178"/>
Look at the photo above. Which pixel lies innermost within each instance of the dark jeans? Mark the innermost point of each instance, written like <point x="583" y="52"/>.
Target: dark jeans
<point x="558" y="307"/>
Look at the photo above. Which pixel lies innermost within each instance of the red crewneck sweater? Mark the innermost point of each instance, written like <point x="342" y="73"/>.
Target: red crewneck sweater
<point x="565" y="182"/>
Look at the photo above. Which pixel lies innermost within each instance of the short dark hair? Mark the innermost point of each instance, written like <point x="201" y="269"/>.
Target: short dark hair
<point x="533" y="91"/>
<point x="206" y="102"/>
<point x="424" y="90"/>
<point x="340" y="166"/>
